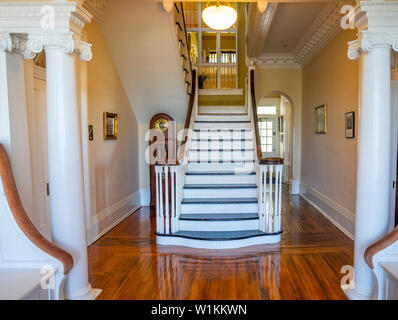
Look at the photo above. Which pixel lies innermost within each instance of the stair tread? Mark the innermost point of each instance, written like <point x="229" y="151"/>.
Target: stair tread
<point x="219" y="216"/>
<point x="219" y="173"/>
<point x="219" y="186"/>
<point x="218" y="200"/>
<point x="220" y="150"/>
<point x="216" y="161"/>
<point x="222" y="121"/>
<point x="219" y="235"/>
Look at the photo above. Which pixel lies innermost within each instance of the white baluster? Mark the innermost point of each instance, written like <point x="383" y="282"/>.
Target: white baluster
<point x="161" y="222"/>
<point x="260" y="199"/>
<point x="178" y="196"/>
<point x="264" y="197"/>
<point x="279" y="226"/>
<point x="157" y="173"/>
<point x="173" y="196"/>
<point x="271" y="202"/>
<point x="276" y="195"/>
<point x="166" y="195"/>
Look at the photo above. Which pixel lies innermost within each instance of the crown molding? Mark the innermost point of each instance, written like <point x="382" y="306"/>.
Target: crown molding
<point x="96" y="8"/>
<point x="260" y="26"/>
<point x="322" y="31"/>
<point x="276" y="61"/>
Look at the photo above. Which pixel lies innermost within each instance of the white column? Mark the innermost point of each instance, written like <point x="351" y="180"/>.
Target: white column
<point x="65" y="166"/>
<point x="378" y="32"/>
<point x="373" y="173"/>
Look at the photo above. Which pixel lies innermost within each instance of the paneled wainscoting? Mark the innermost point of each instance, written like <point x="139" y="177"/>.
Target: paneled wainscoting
<point x="127" y="264"/>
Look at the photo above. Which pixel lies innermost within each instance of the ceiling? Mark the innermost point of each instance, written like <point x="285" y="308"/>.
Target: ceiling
<point x="289" y="24"/>
<point x="291" y="33"/>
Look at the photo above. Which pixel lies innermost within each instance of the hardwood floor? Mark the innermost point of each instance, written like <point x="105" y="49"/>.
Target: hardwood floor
<point x="127" y="264"/>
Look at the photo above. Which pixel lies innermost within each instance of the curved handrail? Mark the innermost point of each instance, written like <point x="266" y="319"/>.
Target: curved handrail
<point x="22" y="219"/>
<point x="383" y="243"/>
<point x="261" y="159"/>
<point x="188" y="116"/>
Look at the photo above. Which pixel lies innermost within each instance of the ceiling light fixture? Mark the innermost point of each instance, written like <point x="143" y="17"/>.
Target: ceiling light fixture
<point x="219" y="16"/>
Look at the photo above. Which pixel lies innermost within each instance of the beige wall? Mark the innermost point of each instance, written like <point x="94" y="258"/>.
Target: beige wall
<point x="328" y="162"/>
<point x="288" y="83"/>
<point x="115" y="162"/>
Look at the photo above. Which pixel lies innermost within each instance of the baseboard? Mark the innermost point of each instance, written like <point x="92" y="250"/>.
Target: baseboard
<point x="145" y="197"/>
<point x="112" y="216"/>
<point x="341" y="217"/>
<point x="294" y="187"/>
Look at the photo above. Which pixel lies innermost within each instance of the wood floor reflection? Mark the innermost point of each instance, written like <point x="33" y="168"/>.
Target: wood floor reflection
<point x="127" y="264"/>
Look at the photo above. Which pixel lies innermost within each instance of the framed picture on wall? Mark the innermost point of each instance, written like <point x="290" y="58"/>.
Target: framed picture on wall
<point x="110" y="126"/>
<point x="350" y="125"/>
<point x="321" y="119"/>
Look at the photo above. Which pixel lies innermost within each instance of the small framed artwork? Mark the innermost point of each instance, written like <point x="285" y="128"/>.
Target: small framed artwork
<point x="90" y="132"/>
<point x="280" y="124"/>
<point x="110" y="126"/>
<point x="321" y="119"/>
<point x="350" y="125"/>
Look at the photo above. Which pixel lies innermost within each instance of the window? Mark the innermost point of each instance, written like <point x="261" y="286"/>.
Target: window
<point x="266" y="135"/>
<point x="266" y="110"/>
<point x="215" y="52"/>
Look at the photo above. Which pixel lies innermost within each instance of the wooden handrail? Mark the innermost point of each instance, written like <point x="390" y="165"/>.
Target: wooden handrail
<point x="261" y="159"/>
<point x="383" y="243"/>
<point x="188" y="116"/>
<point x="22" y="218"/>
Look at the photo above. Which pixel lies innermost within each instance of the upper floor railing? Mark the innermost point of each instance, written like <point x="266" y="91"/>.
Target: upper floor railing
<point x="183" y="46"/>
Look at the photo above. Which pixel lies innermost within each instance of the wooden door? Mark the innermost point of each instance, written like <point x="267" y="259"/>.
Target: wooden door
<point x="38" y="141"/>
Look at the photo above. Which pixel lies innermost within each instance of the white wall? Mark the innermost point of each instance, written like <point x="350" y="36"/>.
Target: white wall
<point x="328" y="164"/>
<point x="114" y="163"/>
<point x="142" y="41"/>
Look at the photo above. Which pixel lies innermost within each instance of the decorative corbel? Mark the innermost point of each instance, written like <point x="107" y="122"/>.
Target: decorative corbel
<point x="354" y="49"/>
<point x="168" y="5"/>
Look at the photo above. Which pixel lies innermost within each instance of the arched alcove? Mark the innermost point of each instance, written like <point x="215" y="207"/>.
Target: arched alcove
<point x="276" y="122"/>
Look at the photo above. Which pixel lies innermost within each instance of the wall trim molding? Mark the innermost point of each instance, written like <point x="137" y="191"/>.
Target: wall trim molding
<point x="145" y="196"/>
<point x="96" y="8"/>
<point x="276" y="61"/>
<point x="329" y="208"/>
<point x="116" y="213"/>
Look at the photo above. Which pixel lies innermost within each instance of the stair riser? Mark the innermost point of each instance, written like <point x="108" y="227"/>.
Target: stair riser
<point x="222" y="109"/>
<point x="221" y="155"/>
<point x="223" y="125"/>
<point x="230" y="179"/>
<point x="222" y="118"/>
<point x="233" y="167"/>
<point x="222" y="244"/>
<point x="219" y="208"/>
<point x="187" y="225"/>
<point x="217" y="134"/>
<point x="220" y="193"/>
<point x="223" y="145"/>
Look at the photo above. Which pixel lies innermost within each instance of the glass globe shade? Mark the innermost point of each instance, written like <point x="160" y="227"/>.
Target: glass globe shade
<point x="219" y="17"/>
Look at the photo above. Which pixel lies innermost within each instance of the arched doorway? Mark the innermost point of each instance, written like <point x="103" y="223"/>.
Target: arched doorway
<point x="275" y="114"/>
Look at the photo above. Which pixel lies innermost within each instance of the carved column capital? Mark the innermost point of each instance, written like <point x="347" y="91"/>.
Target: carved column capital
<point x="68" y="42"/>
<point x="369" y="40"/>
<point x="377" y="23"/>
<point x="14" y="43"/>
